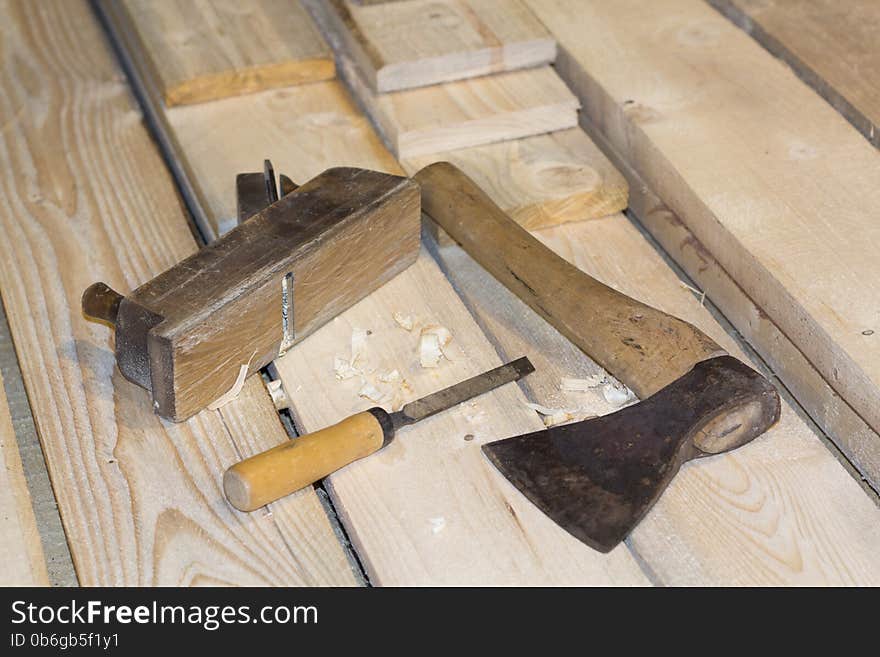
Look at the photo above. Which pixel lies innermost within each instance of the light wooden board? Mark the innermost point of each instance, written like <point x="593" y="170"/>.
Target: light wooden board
<point x="828" y="409"/>
<point x="416" y="514"/>
<point x="780" y="511"/>
<point x="140" y="498"/>
<point x="206" y="49"/>
<point x="543" y="180"/>
<point x="303" y="130"/>
<point x="22" y="562"/>
<point x="416" y="43"/>
<point x="831" y="45"/>
<point x="466" y="113"/>
<point x="430" y="509"/>
<point x="770" y="179"/>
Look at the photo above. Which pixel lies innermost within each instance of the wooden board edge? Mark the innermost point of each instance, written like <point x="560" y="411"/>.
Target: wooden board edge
<point x="239" y="82"/>
<point x="751" y="26"/>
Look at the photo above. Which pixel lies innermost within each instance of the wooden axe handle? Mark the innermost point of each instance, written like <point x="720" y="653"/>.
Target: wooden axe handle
<point x="643" y="347"/>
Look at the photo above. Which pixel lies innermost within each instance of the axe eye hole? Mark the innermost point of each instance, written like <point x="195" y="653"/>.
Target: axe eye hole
<point x="730" y="428"/>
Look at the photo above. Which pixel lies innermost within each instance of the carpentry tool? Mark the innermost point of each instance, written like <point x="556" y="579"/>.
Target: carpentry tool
<point x="195" y="332"/>
<point x="599" y="477"/>
<point x="279" y="471"/>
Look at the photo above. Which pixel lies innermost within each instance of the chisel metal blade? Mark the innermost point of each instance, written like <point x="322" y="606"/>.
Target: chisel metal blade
<point x="462" y="391"/>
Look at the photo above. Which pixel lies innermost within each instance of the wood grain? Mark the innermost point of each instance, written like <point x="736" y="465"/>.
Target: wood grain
<point x="771" y="180"/>
<point x="140" y="499"/>
<point x="21" y="553"/>
<point x="543" y="180"/>
<point x="416" y="43"/>
<point x="207" y="49"/>
<point x="468" y="112"/>
<point x="643" y="347"/>
<point x="416" y="514"/>
<point x="753" y="517"/>
<point x="832" y="46"/>
<point x="826" y="408"/>
<point x="328" y="244"/>
<point x="429" y="509"/>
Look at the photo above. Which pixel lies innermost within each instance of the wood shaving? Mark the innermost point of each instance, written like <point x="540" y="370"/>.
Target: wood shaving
<point x="343" y="369"/>
<point x="371" y="392"/>
<point x="354" y="365"/>
<point x="617" y="394"/>
<point x="582" y="385"/>
<point x="390" y="377"/>
<point x="432" y="341"/>
<point x="235" y="390"/>
<point x="278" y="394"/>
<point x="358" y="345"/>
<point x="553" y="416"/>
<point x="406" y="322"/>
<point x="701" y="295"/>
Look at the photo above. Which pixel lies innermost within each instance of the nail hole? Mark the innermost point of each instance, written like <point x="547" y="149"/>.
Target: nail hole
<point x="469" y="436"/>
<point x="868" y="332"/>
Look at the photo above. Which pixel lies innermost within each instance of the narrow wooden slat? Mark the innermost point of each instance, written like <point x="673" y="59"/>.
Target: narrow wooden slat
<point x="415" y="43"/>
<point x="211" y="49"/>
<point x="22" y="562"/>
<point x="831" y="45"/>
<point x="468" y="112"/>
<point x="140" y="499"/>
<point x="543" y="180"/>
<point x="771" y="180"/>
<point x="780" y="511"/>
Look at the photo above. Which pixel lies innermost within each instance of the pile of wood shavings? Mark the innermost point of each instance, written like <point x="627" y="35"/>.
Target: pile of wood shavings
<point x="380" y="387"/>
<point x="389" y="386"/>
<point x="615" y="394"/>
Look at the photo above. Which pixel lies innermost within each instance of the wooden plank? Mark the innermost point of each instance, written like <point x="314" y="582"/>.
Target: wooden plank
<point x="415" y="43"/>
<point x="140" y="499"/>
<point x="771" y="180"/>
<point x="430" y="509"/>
<point x="826" y="408"/>
<point x="393" y="506"/>
<point x="468" y="112"/>
<point x="304" y="130"/>
<point x="197" y="57"/>
<point x="21" y="553"/>
<point x="781" y="510"/>
<point x="543" y="180"/>
<point x="832" y="46"/>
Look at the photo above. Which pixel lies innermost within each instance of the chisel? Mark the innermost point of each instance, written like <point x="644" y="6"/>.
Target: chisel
<point x="279" y="471"/>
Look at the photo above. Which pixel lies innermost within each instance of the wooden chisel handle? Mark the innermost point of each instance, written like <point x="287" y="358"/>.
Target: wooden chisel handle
<point x="643" y="347"/>
<point x="270" y="475"/>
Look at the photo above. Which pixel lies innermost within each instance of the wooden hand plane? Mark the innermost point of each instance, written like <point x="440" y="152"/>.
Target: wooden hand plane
<point x="194" y="332"/>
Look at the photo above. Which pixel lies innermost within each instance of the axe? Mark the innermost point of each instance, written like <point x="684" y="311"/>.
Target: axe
<point x="598" y="478"/>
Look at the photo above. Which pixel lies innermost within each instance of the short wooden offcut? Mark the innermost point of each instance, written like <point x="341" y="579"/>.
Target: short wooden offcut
<point x="200" y="51"/>
<point x="265" y="285"/>
<point x="415" y="43"/>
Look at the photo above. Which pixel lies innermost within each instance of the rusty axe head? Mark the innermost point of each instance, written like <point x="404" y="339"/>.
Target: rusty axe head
<point x="599" y="477"/>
